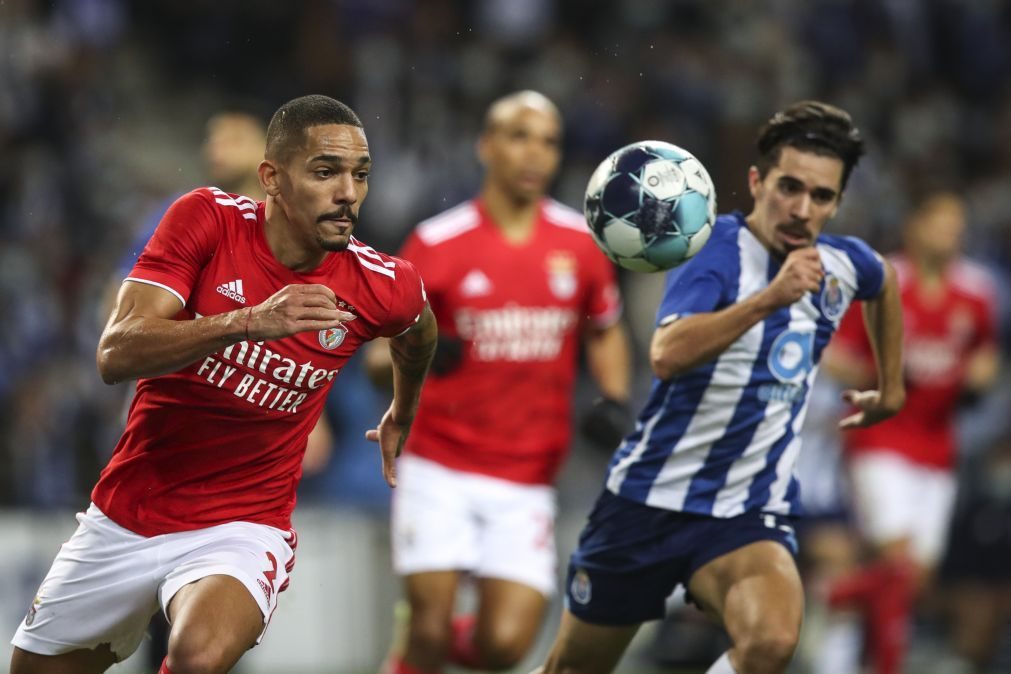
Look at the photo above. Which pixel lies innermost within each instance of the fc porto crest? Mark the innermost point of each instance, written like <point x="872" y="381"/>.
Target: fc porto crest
<point x="581" y="590"/>
<point x="832" y="300"/>
<point x="561" y="267"/>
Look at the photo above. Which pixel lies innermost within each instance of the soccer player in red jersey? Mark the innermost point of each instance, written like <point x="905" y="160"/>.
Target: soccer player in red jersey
<point x="902" y="469"/>
<point x="517" y="285"/>
<point x="235" y="320"/>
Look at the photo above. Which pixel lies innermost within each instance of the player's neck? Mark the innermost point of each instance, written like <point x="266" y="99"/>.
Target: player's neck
<point x="930" y="272"/>
<point x="515" y="219"/>
<point x="287" y="250"/>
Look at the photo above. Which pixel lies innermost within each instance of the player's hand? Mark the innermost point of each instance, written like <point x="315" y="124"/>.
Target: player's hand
<point x="870" y="408"/>
<point x="801" y="273"/>
<point x="300" y="307"/>
<point x="606" y="422"/>
<point x="448" y="354"/>
<point x="391" y="436"/>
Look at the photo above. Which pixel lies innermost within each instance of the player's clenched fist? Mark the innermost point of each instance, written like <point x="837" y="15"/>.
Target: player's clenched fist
<point x="292" y="309"/>
<point x="801" y="273"/>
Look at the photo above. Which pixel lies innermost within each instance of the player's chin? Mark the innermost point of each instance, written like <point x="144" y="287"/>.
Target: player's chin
<point x="336" y="243"/>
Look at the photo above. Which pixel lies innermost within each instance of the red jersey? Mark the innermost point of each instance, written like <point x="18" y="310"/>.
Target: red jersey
<point x="222" y="439"/>
<point x="519" y="310"/>
<point x="939" y="335"/>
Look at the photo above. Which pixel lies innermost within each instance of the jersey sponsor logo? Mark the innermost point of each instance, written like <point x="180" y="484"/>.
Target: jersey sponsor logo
<point x="561" y="267"/>
<point x="790" y="361"/>
<point x="833" y="302"/>
<point x="278" y="389"/>
<point x="475" y="284"/>
<point x="514" y="333"/>
<point x="581" y="589"/>
<point x="233" y="291"/>
<point x="790" y="358"/>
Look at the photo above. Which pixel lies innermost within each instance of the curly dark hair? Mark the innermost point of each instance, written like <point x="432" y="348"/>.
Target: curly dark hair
<point x="810" y="126"/>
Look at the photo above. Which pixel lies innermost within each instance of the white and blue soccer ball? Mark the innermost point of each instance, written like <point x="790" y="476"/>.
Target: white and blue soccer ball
<point x="650" y="206"/>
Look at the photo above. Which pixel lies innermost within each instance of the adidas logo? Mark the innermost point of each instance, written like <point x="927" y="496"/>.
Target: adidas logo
<point x="233" y="291"/>
<point x="475" y="284"/>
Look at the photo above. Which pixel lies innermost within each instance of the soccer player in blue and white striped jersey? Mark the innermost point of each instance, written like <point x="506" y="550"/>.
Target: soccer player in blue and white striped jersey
<point x="702" y="492"/>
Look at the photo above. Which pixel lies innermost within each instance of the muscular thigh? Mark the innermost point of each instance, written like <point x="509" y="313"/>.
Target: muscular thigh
<point x="749" y="586"/>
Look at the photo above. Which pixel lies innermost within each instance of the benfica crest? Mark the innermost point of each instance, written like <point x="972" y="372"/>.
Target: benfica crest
<point x="561" y="267"/>
<point x="331" y="338"/>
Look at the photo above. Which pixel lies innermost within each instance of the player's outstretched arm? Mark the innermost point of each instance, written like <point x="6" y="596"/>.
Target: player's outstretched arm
<point x="883" y="322"/>
<point x="411" y="354"/>
<point x="142" y="339"/>
<point x="687" y="343"/>
<point x="608" y="359"/>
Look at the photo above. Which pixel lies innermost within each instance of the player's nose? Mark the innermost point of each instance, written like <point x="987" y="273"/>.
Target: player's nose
<point x="344" y="189"/>
<point x="802" y="207"/>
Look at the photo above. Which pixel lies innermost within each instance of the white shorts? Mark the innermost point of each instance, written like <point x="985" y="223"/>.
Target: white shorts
<point x="896" y="498"/>
<point x="445" y="519"/>
<point x="107" y="582"/>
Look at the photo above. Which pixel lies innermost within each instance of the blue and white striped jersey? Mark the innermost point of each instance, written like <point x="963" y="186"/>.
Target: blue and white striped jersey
<point x="722" y="439"/>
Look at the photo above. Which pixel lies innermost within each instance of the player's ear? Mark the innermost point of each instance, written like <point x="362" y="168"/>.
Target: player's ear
<point x="267" y="172"/>
<point x="481" y="149"/>
<point x="754" y="181"/>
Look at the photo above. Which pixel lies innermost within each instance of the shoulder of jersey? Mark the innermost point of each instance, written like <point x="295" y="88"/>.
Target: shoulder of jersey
<point x="973" y="278"/>
<point x="725" y="230"/>
<point x="371" y="259"/>
<point x="449" y="224"/>
<point x="233" y="204"/>
<point x="558" y="214"/>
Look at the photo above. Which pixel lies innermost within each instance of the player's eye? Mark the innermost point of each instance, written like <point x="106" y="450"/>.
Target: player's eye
<point x="823" y="196"/>
<point x="362" y="176"/>
<point x="323" y="173"/>
<point x="787" y="186"/>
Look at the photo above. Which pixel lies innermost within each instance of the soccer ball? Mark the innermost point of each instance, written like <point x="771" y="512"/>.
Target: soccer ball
<point x="650" y="206"/>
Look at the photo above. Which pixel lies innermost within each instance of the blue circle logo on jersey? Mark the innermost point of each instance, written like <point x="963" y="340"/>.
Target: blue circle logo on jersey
<point x="331" y="338"/>
<point x="791" y="356"/>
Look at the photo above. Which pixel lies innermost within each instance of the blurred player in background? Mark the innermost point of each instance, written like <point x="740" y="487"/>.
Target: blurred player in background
<point x="902" y="470"/>
<point x="231" y="322"/>
<point x="516" y="284"/>
<point x="701" y="494"/>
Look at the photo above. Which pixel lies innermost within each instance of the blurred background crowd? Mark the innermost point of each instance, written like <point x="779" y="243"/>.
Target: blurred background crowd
<point x="103" y="111"/>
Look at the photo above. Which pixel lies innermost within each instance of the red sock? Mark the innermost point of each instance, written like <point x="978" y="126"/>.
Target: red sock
<point x="888" y="617"/>
<point x="398" y="666"/>
<point x="462" y="651"/>
<point x="164" y="667"/>
<point x="858" y="588"/>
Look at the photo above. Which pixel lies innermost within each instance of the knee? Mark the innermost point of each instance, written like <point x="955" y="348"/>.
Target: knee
<point x="190" y="653"/>
<point x="767" y="651"/>
<point x="503" y="646"/>
<point x="430" y="634"/>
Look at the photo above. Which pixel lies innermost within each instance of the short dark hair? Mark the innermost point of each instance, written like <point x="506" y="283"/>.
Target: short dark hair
<point x="810" y="126"/>
<point x="287" y="127"/>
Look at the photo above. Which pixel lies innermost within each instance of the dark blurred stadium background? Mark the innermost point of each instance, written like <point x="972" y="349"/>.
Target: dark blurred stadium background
<point x="102" y="107"/>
